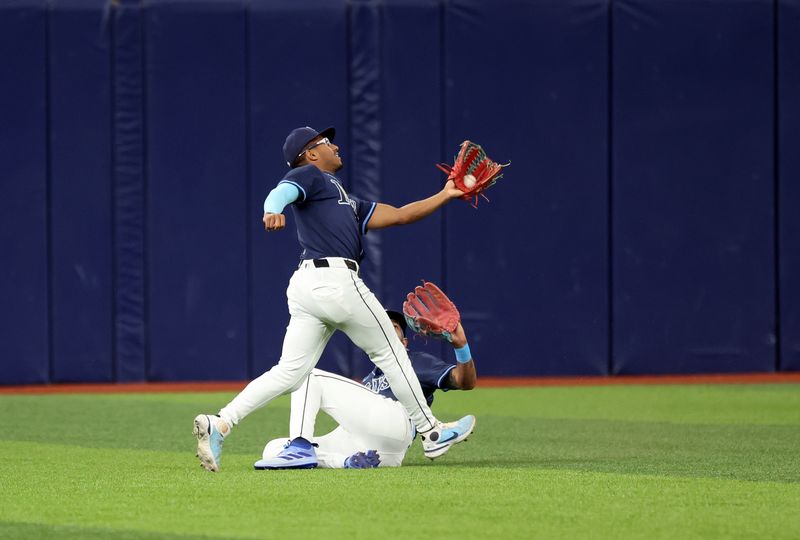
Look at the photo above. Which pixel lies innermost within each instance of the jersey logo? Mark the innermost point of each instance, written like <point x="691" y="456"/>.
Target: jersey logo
<point x="343" y="198"/>
<point x="377" y="384"/>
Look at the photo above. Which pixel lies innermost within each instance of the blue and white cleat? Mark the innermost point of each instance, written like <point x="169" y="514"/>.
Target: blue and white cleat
<point x="209" y="440"/>
<point x="297" y="454"/>
<point x="360" y="460"/>
<point x="438" y="441"/>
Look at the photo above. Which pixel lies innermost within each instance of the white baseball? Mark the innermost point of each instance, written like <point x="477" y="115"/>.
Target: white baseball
<point x="469" y="181"/>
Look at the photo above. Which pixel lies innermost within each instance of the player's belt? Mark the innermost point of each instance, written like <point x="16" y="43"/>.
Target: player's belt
<point x="335" y="262"/>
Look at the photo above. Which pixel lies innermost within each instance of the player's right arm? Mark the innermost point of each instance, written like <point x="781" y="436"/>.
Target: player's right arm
<point x="386" y="215"/>
<point x="463" y="376"/>
<point x="284" y="194"/>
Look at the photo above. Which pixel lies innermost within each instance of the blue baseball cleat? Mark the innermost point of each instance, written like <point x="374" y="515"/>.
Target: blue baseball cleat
<point x="360" y="460"/>
<point x="209" y="441"/>
<point x="438" y="441"/>
<point x="297" y="454"/>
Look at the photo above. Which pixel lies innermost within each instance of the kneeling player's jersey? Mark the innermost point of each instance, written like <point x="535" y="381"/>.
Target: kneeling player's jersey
<point x="330" y="222"/>
<point x="431" y="372"/>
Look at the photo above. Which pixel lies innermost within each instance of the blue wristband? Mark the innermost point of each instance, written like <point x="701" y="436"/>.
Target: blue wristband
<point x="463" y="355"/>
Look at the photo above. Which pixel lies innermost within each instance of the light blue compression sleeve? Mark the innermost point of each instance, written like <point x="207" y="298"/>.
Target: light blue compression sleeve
<point x="283" y="195"/>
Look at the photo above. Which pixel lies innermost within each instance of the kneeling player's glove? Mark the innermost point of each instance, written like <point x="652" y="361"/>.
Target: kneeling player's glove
<point x="429" y="312"/>
<point x="473" y="172"/>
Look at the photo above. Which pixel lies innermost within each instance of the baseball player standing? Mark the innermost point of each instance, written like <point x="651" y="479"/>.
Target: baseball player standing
<point x="326" y="293"/>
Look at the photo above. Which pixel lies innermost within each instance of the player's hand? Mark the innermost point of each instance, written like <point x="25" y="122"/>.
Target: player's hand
<point x="274" y="222"/>
<point x="459" y="337"/>
<point x="451" y="190"/>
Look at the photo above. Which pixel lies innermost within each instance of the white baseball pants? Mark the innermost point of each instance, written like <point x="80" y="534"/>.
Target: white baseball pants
<point x="367" y="421"/>
<point x="322" y="300"/>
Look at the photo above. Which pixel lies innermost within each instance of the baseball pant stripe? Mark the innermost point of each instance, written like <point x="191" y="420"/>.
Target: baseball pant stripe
<point x="397" y="361"/>
<point x="305" y="404"/>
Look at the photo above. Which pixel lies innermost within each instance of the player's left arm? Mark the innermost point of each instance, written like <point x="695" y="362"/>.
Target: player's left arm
<point x="386" y="215"/>
<point x="463" y="376"/>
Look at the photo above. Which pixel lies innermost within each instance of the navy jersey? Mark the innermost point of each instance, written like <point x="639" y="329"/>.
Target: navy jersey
<point x="330" y="223"/>
<point x="431" y="372"/>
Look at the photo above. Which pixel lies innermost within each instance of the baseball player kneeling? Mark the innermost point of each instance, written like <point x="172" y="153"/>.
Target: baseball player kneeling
<point x="374" y="428"/>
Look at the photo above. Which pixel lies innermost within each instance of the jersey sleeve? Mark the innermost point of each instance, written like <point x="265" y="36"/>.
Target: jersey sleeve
<point x="364" y="211"/>
<point x="431" y="371"/>
<point x="308" y="179"/>
<point x="284" y="194"/>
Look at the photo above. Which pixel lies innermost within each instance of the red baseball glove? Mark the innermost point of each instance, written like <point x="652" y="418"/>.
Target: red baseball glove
<point x="473" y="172"/>
<point x="429" y="312"/>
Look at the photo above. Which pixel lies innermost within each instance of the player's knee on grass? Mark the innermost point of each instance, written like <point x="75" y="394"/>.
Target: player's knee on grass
<point x="273" y="448"/>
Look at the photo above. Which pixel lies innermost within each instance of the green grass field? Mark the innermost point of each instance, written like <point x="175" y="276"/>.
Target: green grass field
<point x="592" y="462"/>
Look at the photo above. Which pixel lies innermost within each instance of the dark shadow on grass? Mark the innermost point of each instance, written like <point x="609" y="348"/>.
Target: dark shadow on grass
<point x="613" y="468"/>
<point x="15" y="529"/>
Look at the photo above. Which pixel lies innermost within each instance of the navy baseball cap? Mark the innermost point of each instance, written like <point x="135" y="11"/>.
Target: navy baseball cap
<point x="299" y="138"/>
<point x="399" y="318"/>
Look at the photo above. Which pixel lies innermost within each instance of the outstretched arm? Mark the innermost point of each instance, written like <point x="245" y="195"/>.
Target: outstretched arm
<point x="386" y="215"/>
<point x="464" y="376"/>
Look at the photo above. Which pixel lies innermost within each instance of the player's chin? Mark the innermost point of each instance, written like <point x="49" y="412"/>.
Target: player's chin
<point x="339" y="166"/>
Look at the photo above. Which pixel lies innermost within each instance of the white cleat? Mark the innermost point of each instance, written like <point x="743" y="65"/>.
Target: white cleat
<point x="438" y="441"/>
<point x="209" y="441"/>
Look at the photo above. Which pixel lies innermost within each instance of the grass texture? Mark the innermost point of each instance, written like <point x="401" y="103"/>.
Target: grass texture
<point x="589" y="462"/>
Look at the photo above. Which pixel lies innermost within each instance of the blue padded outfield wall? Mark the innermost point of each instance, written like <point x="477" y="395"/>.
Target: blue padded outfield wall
<point x="788" y="187"/>
<point x="197" y="200"/>
<point x="81" y="186"/>
<point x="647" y="223"/>
<point x="24" y="210"/>
<point x="693" y="187"/>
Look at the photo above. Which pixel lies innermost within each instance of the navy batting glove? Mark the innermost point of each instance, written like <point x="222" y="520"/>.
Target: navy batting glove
<point x="360" y="460"/>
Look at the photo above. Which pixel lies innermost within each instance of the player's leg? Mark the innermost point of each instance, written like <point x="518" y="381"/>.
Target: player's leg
<point x="298" y="451"/>
<point x="303" y="344"/>
<point x="334" y="449"/>
<point x="305" y="339"/>
<point x="344" y="400"/>
<point x="305" y="404"/>
<point x="386" y="428"/>
<point x="367" y="421"/>
<point x="371" y="330"/>
<point x="377" y="422"/>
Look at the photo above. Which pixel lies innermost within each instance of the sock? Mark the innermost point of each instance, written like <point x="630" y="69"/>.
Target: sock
<point x="302" y="442"/>
<point x="426" y="434"/>
<point x="222" y="425"/>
